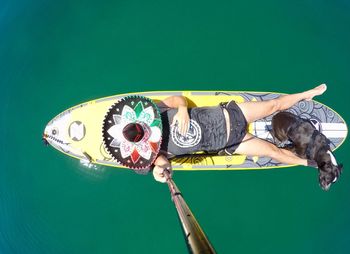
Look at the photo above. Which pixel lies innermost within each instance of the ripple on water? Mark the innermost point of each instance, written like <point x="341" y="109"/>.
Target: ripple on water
<point x="23" y="230"/>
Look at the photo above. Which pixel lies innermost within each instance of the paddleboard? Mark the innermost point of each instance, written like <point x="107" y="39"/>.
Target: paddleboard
<point x="77" y="131"/>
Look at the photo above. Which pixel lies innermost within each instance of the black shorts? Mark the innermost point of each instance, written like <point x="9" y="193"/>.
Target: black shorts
<point x="238" y="126"/>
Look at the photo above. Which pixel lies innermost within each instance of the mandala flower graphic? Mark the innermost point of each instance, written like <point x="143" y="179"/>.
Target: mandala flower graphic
<point x="135" y="109"/>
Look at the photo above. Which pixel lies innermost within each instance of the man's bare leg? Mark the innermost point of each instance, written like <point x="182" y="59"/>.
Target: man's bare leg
<point x="253" y="146"/>
<point x="254" y="110"/>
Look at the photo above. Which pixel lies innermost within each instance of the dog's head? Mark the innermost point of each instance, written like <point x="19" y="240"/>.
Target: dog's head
<point x="329" y="171"/>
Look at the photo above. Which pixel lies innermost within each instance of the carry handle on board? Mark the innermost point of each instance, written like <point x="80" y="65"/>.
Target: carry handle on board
<point x="196" y="240"/>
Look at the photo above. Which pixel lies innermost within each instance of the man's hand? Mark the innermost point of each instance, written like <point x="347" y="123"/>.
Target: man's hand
<point x="161" y="164"/>
<point x="182" y="119"/>
<point x="158" y="173"/>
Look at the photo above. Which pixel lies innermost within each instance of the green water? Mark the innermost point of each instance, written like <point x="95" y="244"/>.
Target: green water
<point x="56" y="54"/>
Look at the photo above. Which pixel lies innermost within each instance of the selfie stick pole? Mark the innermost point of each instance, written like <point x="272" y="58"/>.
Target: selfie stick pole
<point x="196" y="240"/>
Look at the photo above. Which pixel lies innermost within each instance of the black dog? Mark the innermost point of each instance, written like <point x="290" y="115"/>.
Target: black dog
<point x="308" y="143"/>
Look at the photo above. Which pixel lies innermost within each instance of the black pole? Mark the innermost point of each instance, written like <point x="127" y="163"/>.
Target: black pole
<point x="196" y="240"/>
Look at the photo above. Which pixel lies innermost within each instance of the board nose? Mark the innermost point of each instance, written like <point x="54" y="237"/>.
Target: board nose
<point x="55" y="132"/>
<point x="65" y="133"/>
<point x="52" y="135"/>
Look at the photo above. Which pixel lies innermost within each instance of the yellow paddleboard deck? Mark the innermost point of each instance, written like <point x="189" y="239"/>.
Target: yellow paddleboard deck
<point x="77" y="131"/>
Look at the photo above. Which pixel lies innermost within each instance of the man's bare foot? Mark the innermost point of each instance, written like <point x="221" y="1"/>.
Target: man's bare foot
<point x="318" y="90"/>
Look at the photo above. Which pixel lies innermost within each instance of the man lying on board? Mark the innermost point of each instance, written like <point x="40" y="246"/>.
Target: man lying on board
<point x="223" y="130"/>
<point x="170" y="129"/>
